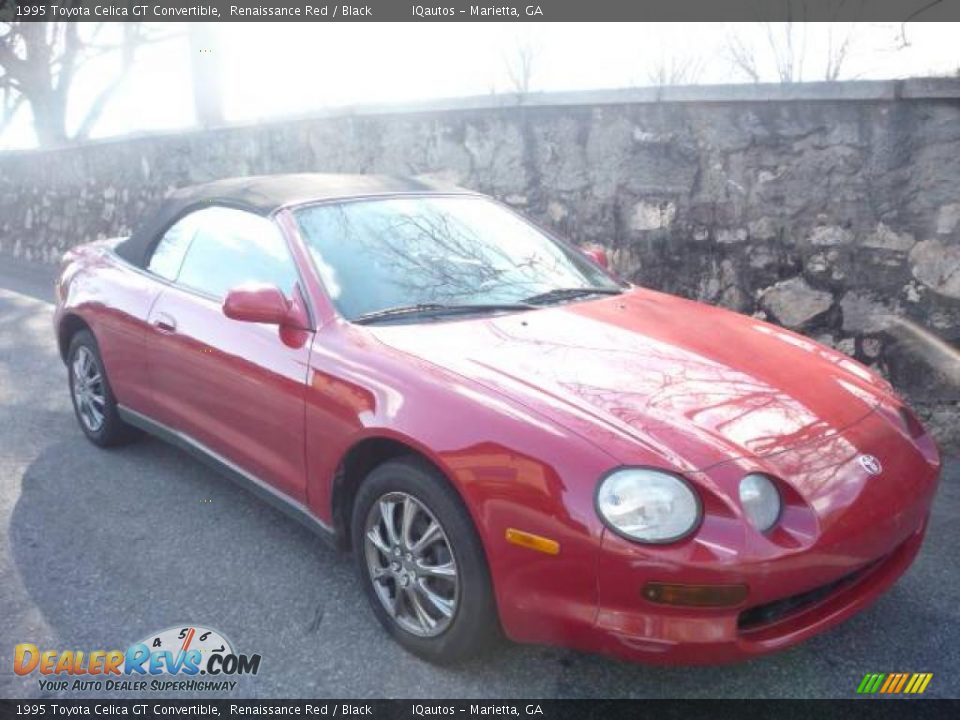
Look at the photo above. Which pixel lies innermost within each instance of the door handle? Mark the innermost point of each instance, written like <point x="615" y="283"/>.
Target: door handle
<point x="165" y="323"/>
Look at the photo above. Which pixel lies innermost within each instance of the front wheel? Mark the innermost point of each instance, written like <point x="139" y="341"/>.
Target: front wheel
<point x="421" y="562"/>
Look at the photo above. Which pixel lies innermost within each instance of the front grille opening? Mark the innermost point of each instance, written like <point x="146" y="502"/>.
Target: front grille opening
<point x="762" y="615"/>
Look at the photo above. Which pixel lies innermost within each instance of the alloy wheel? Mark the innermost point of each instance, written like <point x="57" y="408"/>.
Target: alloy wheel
<point x="88" y="390"/>
<point x="411" y="564"/>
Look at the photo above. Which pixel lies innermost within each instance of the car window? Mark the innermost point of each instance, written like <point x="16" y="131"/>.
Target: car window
<point x="168" y="255"/>
<point x="231" y="248"/>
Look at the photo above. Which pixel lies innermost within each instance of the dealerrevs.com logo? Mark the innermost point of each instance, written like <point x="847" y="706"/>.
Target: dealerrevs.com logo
<point x="182" y="658"/>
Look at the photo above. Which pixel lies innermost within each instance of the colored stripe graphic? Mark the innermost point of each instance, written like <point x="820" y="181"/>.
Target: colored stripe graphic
<point x="870" y="683"/>
<point x="918" y="683"/>
<point x="903" y="680"/>
<point x="894" y="683"/>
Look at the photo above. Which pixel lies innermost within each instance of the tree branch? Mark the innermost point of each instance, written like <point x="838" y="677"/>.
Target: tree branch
<point x="742" y="58"/>
<point x="9" y="110"/>
<point x="68" y="60"/>
<point x="97" y="107"/>
<point x="904" y="43"/>
<point x="132" y="39"/>
<point x="9" y="59"/>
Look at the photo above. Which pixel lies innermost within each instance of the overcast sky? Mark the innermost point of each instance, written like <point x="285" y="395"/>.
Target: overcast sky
<point x="274" y="69"/>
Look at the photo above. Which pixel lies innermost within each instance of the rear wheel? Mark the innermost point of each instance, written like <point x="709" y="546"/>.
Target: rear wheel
<point x="421" y="562"/>
<point x="93" y="400"/>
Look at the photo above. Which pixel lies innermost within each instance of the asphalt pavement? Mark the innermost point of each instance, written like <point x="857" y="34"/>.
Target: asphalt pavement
<point x="100" y="548"/>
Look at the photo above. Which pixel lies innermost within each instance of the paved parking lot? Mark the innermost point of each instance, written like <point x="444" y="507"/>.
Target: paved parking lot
<point x="99" y="548"/>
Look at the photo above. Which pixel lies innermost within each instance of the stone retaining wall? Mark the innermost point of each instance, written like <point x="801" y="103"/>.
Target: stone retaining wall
<point x="831" y="208"/>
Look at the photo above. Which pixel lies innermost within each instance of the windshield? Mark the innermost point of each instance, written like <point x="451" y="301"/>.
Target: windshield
<point x="374" y="255"/>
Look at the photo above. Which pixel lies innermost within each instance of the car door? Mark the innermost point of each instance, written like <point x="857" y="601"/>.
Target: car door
<point x="236" y="388"/>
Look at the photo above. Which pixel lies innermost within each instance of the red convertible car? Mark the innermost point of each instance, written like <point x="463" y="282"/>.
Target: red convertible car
<point x="507" y="437"/>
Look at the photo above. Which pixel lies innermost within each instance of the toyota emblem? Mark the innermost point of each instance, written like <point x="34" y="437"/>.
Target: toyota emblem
<point x="871" y="464"/>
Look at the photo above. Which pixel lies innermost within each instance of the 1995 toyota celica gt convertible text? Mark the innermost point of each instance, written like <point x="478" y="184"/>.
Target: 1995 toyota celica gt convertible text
<point x="505" y="435"/>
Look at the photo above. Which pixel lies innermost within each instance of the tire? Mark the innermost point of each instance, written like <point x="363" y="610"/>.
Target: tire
<point x="472" y="626"/>
<point x="93" y="401"/>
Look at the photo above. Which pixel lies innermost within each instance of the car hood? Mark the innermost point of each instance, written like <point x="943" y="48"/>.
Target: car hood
<point x="647" y="372"/>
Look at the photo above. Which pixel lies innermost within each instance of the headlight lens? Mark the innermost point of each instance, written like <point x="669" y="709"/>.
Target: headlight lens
<point x="760" y="500"/>
<point x="648" y="505"/>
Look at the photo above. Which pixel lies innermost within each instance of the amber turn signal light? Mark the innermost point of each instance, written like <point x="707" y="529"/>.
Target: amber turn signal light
<point x="695" y="595"/>
<point x="533" y="542"/>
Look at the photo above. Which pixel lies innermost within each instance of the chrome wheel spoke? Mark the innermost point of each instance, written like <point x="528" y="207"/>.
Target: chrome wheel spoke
<point x="406" y="522"/>
<point x="431" y="534"/>
<point x="387" y="510"/>
<point x="87" y="366"/>
<point x="95" y="415"/>
<point x="445" y="570"/>
<point x="423" y="617"/>
<point x="442" y="604"/>
<point x="373" y="537"/>
<point x="78" y="368"/>
<point x="392" y="602"/>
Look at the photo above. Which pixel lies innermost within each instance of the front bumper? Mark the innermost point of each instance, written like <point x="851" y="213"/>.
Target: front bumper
<point x="707" y="638"/>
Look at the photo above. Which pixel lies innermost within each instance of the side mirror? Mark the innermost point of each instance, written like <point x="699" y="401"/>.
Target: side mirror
<point x="597" y="254"/>
<point x="263" y="304"/>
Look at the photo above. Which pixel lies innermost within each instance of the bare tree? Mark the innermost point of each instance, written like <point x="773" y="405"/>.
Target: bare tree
<point x="783" y="51"/>
<point x="673" y="70"/>
<point x="780" y="50"/>
<point x="205" y="69"/>
<point x="10" y="102"/>
<point x="743" y="58"/>
<point x="902" y="39"/>
<point x="40" y="61"/>
<point x="785" y="47"/>
<point x="520" y="66"/>
<point x="788" y="44"/>
<point x="838" y="49"/>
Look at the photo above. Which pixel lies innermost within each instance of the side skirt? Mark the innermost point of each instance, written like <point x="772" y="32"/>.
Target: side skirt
<point x="225" y="467"/>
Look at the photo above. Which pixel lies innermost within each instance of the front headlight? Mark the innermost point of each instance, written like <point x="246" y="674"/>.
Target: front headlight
<point x="760" y="500"/>
<point x="648" y="505"/>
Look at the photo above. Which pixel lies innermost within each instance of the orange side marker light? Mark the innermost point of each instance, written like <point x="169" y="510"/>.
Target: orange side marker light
<point x="533" y="542"/>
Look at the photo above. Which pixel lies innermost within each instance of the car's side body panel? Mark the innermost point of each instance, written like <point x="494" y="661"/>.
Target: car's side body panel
<point x="236" y="387"/>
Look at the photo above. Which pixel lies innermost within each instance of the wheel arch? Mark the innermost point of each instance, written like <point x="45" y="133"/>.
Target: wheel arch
<point x="359" y="460"/>
<point x="69" y="325"/>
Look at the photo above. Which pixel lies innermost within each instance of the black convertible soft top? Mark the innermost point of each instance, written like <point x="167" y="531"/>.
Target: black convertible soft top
<point x="263" y="195"/>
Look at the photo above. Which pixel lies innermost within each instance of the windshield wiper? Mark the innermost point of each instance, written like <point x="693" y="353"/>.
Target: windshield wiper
<point x="437" y="309"/>
<point x="568" y="293"/>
